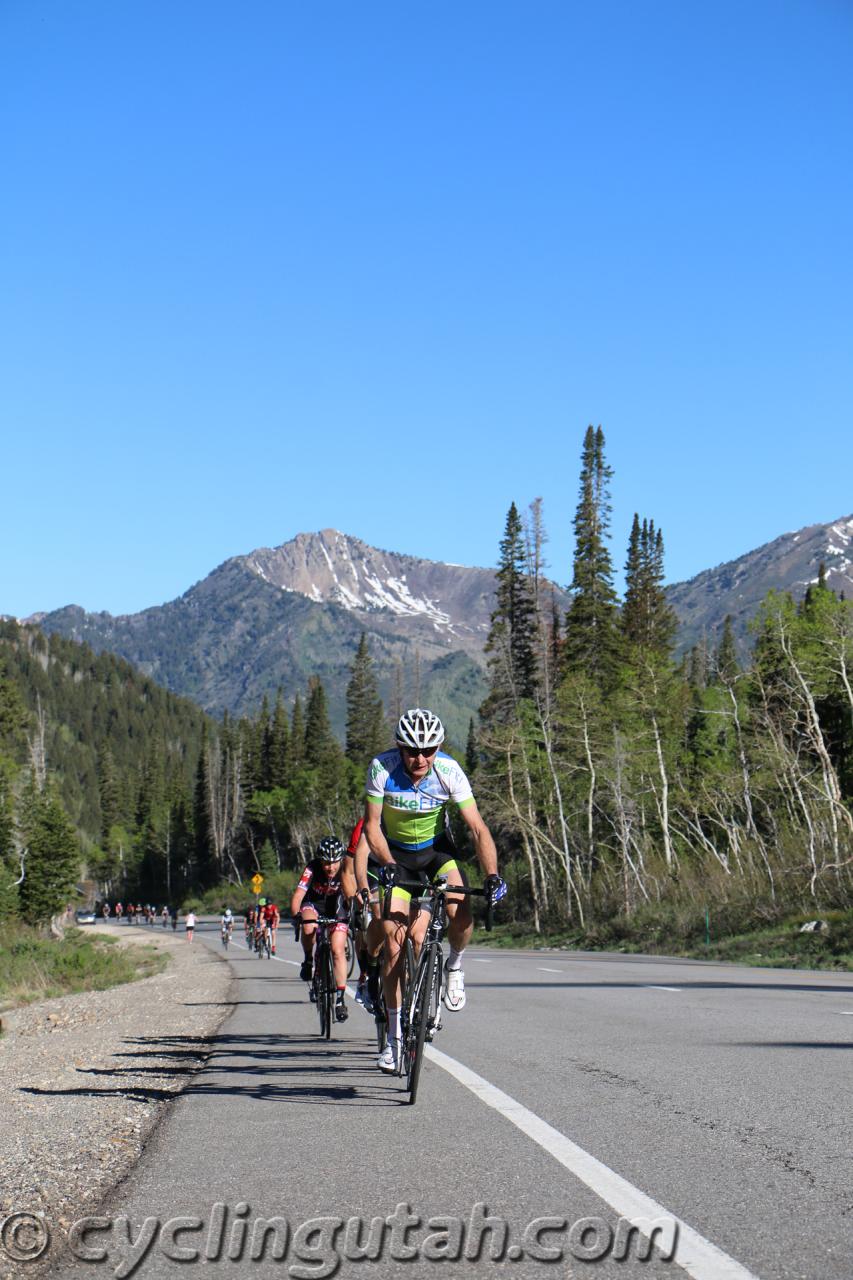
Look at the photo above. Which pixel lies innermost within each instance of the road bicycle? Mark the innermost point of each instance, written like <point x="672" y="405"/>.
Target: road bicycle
<point x="263" y="944"/>
<point x="420" y="1014"/>
<point x="323" y="981"/>
<point x="226" y="937"/>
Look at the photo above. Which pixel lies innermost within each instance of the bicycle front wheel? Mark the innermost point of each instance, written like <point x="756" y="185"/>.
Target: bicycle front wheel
<point x="419" y="1011"/>
<point x="330" y="993"/>
<point x="320" y="988"/>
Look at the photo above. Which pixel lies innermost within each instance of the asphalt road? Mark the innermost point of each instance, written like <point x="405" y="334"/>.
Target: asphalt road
<point x="573" y="1093"/>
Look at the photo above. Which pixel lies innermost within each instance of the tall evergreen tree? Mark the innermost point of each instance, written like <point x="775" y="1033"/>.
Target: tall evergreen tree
<point x="591" y="640"/>
<point x="725" y="659"/>
<point x="320" y="743"/>
<point x="53" y="857"/>
<point x="203" y="871"/>
<point x="366" y="731"/>
<point x="513" y="635"/>
<point x="471" y="751"/>
<point x="647" y="621"/>
<point x="297" y="734"/>
<point x="279" y="754"/>
<point x="108" y="794"/>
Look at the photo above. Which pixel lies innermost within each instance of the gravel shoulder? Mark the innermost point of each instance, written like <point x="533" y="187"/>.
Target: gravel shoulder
<point x="85" y="1078"/>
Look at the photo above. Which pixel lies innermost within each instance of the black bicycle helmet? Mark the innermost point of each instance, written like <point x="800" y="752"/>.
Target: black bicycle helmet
<point x="330" y="849"/>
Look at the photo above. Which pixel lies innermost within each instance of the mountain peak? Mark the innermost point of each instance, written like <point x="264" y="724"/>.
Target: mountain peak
<point x="331" y="567"/>
<point x="788" y="563"/>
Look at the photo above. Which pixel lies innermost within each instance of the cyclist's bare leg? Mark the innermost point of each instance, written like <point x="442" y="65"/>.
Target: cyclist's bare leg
<point x="394" y="930"/>
<point x="375" y="935"/>
<point x="460" y="922"/>
<point x="339" y="957"/>
<point x="309" y="928"/>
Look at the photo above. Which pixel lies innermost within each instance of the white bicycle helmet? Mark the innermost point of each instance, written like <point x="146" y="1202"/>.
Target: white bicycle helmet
<point x="420" y="729"/>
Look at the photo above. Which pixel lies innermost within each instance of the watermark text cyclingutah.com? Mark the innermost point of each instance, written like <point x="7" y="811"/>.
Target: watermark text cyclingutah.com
<point x="316" y="1249"/>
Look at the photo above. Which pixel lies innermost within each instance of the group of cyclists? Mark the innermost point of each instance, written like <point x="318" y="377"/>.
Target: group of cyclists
<point x="404" y="838"/>
<point x="261" y="925"/>
<point x="144" y="913"/>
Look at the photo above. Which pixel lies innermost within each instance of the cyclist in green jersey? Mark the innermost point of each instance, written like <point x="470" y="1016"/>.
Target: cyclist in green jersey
<point x="408" y="791"/>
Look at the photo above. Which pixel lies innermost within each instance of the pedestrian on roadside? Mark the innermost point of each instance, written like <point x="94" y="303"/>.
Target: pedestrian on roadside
<point x="190" y="925"/>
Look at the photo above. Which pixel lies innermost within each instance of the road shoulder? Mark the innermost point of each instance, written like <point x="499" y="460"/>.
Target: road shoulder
<point x="87" y="1077"/>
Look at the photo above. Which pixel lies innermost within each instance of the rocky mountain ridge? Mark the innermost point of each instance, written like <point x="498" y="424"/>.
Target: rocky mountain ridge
<point x="790" y="562"/>
<point x="277" y="616"/>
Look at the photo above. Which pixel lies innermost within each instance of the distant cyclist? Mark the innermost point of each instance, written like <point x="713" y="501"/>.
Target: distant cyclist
<point x="408" y="791"/>
<point x="271" y="917"/>
<point x="319" y="893"/>
<point x="226" y="924"/>
<point x="260" y="923"/>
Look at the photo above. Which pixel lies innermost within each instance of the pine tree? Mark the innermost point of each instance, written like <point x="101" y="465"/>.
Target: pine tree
<point x="320" y="744"/>
<point x="279" y="752"/>
<point x="591" y="641"/>
<point x="647" y="621"/>
<point x="725" y="660"/>
<point x="512" y="639"/>
<point x="366" y="733"/>
<point x="297" y="734"/>
<point x="53" y="857"/>
<point x="204" y="868"/>
<point x="471" y="751"/>
<point x="108" y="794"/>
<point x="8" y="869"/>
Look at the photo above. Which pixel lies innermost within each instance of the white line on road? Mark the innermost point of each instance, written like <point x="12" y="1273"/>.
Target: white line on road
<point x="541" y="970"/>
<point x="844" y="1013"/>
<point x="696" y="1255"/>
<point x="652" y="986"/>
<point x="474" y="961"/>
<point x="280" y="959"/>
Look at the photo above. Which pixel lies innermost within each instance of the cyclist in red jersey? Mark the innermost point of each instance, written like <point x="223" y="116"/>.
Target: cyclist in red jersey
<point x="271" y="917"/>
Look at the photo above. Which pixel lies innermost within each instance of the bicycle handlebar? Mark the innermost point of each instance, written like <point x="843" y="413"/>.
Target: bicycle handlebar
<point x="435" y="889"/>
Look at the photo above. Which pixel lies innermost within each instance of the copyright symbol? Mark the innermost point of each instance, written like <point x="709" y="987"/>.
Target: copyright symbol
<point x="24" y="1236"/>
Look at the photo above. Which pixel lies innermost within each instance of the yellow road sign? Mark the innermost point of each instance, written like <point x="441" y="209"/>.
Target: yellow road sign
<point x="257" y="879"/>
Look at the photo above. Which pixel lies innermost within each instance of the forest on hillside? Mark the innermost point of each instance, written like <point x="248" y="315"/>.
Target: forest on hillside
<point x="624" y="778"/>
<point x="616" y="777"/>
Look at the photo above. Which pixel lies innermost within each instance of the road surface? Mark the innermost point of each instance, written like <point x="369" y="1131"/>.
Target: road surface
<point x="575" y="1093"/>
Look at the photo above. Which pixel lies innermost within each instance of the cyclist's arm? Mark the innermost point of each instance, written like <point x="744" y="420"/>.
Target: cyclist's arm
<point x="348" y="884"/>
<point x="484" y="845"/>
<point x="374" y="834"/>
<point x="362" y="850"/>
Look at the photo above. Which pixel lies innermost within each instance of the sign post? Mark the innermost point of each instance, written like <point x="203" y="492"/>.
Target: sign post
<point x="257" y="883"/>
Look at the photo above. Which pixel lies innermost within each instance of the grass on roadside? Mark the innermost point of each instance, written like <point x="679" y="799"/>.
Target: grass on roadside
<point x="33" y="967"/>
<point x="776" y="944"/>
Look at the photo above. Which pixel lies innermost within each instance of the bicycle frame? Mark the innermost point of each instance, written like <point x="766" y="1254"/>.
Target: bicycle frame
<point x="323" y="981"/>
<point x="421" y="1006"/>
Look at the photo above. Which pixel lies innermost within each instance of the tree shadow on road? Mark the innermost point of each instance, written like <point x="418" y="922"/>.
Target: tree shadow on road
<point x="244" y="1066"/>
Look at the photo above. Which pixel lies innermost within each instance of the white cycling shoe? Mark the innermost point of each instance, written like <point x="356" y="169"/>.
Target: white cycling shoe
<point x="389" y="1059"/>
<point x="453" y="994"/>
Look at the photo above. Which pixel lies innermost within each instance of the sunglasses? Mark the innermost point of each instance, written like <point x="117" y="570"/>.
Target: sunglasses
<point x="427" y="752"/>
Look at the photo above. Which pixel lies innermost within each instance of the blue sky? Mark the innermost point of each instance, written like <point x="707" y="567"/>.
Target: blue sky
<point x="270" y="267"/>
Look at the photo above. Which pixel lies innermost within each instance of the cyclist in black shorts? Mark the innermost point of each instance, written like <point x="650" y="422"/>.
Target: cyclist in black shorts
<point x="408" y="790"/>
<point x="319" y="893"/>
